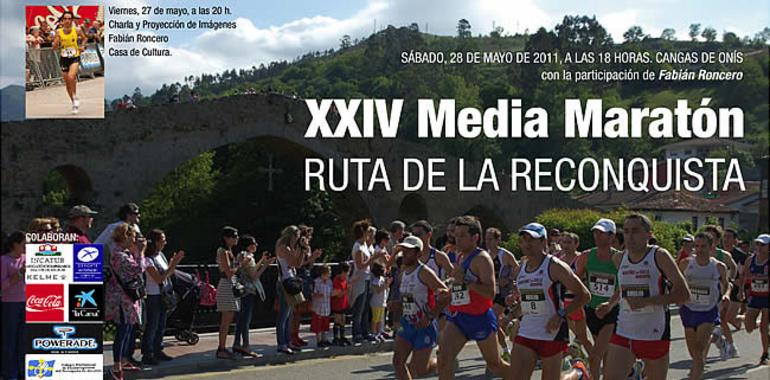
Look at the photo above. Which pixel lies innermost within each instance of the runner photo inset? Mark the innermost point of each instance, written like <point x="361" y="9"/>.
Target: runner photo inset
<point x="64" y="62"/>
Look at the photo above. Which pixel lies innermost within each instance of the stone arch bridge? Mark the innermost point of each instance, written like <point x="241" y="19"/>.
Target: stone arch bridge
<point x="120" y="158"/>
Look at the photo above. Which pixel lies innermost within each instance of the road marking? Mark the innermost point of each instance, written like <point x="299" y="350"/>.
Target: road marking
<point x="758" y="368"/>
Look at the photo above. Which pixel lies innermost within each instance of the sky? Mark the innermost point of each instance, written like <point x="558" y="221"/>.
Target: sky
<point x="269" y="31"/>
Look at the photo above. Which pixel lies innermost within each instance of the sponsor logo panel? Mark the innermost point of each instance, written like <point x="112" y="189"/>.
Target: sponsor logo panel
<point x="48" y="263"/>
<point x="63" y="367"/>
<point x="45" y="302"/>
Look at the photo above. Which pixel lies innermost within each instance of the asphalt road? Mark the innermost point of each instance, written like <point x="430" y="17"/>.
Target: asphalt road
<point x="377" y="366"/>
<point x="54" y="103"/>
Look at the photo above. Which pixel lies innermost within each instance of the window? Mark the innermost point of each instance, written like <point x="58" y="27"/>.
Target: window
<point x="694" y="223"/>
<point x="658" y="218"/>
<point x="722" y="222"/>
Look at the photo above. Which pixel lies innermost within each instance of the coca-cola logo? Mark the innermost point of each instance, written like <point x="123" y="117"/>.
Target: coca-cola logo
<point x="45" y="302"/>
<point x="36" y="304"/>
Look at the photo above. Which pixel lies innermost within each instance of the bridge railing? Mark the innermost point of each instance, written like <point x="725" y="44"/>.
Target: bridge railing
<point x="207" y="318"/>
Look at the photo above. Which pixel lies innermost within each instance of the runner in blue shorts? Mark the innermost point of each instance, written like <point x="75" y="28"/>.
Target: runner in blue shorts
<point x="418" y="332"/>
<point x="757" y="273"/>
<point x="470" y="313"/>
<point x="708" y="282"/>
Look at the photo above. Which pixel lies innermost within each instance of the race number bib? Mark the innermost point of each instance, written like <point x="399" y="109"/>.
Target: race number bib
<point x="460" y="295"/>
<point x="759" y="285"/>
<point x="68" y="52"/>
<point x="533" y="302"/>
<point x="700" y="296"/>
<point x="601" y="286"/>
<point x="408" y="305"/>
<point x="636" y="291"/>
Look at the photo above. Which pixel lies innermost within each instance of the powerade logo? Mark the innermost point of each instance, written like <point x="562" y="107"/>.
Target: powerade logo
<point x="88" y="263"/>
<point x="40" y="368"/>
<point x="64" y="341"/>
<point x="48" y="250"/>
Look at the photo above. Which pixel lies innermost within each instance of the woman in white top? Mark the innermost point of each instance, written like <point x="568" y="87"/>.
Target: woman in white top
<point x="158" y="272"/>
<point x="227" y="303"/>
<point x="249" y="277"/>
<point x="289" y="258"/>
<point x="360" y="280"/>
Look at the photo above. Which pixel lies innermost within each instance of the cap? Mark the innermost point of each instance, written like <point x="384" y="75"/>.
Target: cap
<point x="228" y="231"/>
<point x="688" y="238"/>
<point x="81" y="210"/>
<point x="764" y="239"/>
<point x="412" y="242"/>
<point x="536" y="230"/>
<point x="605" y="225"/>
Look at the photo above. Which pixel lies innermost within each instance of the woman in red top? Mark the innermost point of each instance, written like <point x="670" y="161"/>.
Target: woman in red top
<point x="340" y="303"/>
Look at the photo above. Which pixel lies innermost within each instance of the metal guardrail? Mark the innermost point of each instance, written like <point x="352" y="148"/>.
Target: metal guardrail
<point x="44" y="69"/>
<point x="207" y="318"/>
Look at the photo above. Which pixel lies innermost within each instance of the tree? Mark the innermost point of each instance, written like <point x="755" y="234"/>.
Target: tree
<point x="762" y="36"/>
<point x="497" y="32"/>
<point x="345" y="42"/>
<point x="634" y="34"/>
<point x="709" y="34"/>
<point x="731" y="39"/>
<point x="414" y="27"/>
<point x="582" y="31"/>
<point x="463" y="28"/>
<point x="668" y="34"/>
<point x="694" y="31"/>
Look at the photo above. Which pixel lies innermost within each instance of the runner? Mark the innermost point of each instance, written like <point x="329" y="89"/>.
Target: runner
<point x="707" y="279"/>
<point x="727" y="348"/>
<point x="449" y="246"/>
<point x="66" y="40"/>
<point x="643" y="328"/>
<point x="418" y="332"/>
<point x="577" y="321"/>
<point x="757" y="271"/>
<point x="543" y="332"/>
<point x="596" y="268"/>
<point x="436" y="260"/>
<point x="505" y="267"/>
<point x="470" y="313"/>
<point x="730" y="241"/>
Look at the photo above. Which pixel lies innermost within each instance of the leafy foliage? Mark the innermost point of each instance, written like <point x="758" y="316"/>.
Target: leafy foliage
<point x="580" y="222"/>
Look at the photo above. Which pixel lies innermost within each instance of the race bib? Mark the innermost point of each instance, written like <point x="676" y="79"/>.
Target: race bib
<point x="759" y="285"/>
<point x="533" y="302"/>
<point x="408" y="305"/>
<point x="68" y="52"/>
<point x="700" y="296"/>
<point x="460" y="295"/>
<point x="636" y="291"/>
<point x="601" y="286"/>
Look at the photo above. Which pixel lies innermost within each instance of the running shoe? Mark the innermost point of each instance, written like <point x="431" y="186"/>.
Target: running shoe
<point x="732" y="351"/>
<point x="722" y="344"/>
<point x="116" y="375"/>
<point x="716" y="335"/>
<point x="580" y="366"/>
<point x="576" y="351"/>
<point x="764" y="359"/>
<point x="566" y="363"/>
<point x="506" y="356"/>
<point x="75" y="106"/>
<point x="637" y="371"/>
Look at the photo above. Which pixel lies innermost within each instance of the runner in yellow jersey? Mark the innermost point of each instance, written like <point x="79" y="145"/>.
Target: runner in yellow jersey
<point x="66" y="40"/>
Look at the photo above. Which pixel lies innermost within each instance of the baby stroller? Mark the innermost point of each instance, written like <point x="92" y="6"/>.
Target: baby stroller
<point x="182" y="319"/>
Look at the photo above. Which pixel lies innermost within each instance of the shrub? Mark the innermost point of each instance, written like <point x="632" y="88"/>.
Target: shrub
<point x="580" y="222"/>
